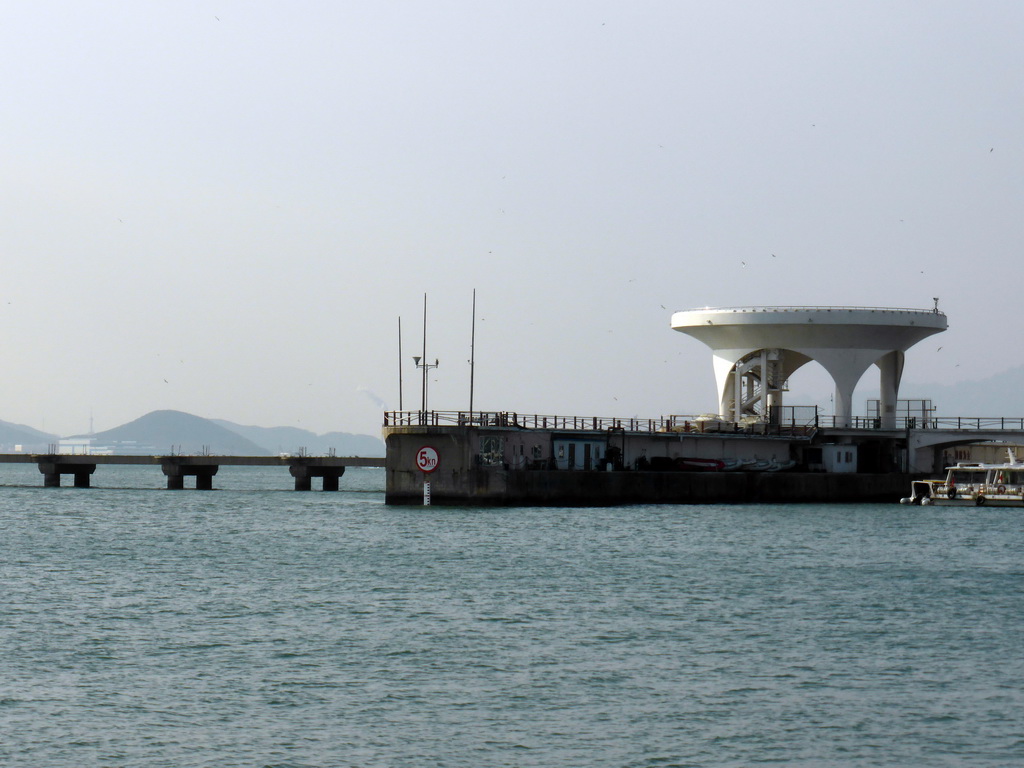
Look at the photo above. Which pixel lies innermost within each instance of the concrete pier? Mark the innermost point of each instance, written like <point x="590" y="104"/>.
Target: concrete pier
<point x="202" y="468"/>
<point x="52" y="470"/>
<point x="304" y="474"/>
<point x="520" y="459"/>
<point x="177" y="468"/>
<point x="478" y="487"/>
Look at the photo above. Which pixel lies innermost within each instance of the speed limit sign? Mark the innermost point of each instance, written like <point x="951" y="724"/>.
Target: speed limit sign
<point x="427" y="459"/>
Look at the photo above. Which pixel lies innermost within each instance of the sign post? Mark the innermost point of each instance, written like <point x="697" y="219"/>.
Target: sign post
<point x="427" y="460"/>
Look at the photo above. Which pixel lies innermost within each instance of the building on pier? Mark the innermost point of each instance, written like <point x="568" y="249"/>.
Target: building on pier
<point x="756" y="350"/>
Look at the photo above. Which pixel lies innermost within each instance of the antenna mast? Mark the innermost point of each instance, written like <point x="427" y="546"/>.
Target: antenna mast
<point x="472" y="358"/>
<point x="423" y="401"/>
<point x="400" y="407"/>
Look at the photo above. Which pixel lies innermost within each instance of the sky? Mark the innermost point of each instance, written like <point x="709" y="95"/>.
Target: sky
<point x="226" y="207"/>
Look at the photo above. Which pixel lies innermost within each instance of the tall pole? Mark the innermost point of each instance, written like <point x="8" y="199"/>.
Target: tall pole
<point x="472" y="358"/>
<point x="423" y="400"/>
<point x="400" y="406"/>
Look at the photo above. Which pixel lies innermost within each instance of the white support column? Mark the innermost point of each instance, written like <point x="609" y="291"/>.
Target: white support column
<point x="737" y="403"/>
<point x="775" y="363"/>
<point x="890" y="368"/>
<point x="844" y="406"/>
<point x="764" y="382"/>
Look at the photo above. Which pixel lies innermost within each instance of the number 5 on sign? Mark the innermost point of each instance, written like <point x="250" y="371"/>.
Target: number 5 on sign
<point x="427" y="459"/>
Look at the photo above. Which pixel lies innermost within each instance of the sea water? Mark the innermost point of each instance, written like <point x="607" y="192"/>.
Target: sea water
<point x="256" y="626"/>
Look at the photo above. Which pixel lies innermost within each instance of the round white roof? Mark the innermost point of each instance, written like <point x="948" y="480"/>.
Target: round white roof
<point x="809" y="327"/>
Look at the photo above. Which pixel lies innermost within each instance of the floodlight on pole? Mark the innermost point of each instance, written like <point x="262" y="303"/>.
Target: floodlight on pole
<point x="426" y="369"/>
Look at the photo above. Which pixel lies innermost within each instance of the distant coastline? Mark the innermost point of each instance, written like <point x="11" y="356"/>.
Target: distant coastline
<point x="168" y="431"/>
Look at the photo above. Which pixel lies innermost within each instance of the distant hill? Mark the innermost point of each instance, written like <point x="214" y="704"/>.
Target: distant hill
<point x="31" y="440"/>
<point x="163" y="432"/>
<point x="295" y="440"/>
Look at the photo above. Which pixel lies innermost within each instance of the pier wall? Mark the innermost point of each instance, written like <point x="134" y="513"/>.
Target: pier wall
<point x="559" y="488"/>
<point x="468" y="465"/>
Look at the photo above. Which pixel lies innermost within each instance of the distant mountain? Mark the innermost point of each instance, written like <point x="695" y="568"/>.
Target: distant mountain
<point x="31" y="440"/>
<point x="295" y="440"/>
<point x="163" y="432"/>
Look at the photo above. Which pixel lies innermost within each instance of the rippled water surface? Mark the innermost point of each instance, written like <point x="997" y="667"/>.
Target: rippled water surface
<point x="256" y="626"/>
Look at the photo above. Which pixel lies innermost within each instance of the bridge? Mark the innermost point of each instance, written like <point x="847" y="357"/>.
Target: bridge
<point x="922" y="436"/>
<point x="176" y="467"/>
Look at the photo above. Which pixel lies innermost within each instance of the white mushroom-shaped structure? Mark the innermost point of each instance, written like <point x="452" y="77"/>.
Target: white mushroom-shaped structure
<point x="756" y="350"/>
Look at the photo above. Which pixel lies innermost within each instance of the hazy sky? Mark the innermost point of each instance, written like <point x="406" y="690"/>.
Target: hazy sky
<point x="224" y="207"/>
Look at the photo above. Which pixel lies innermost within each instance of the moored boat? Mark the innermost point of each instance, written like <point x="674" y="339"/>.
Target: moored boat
<point x="965" y="485"/>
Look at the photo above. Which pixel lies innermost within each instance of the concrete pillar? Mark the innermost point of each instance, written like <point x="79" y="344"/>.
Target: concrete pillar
<point x="304" y="474"/>
<point x="737" y="403"/>
<point x="51" y="471"/>
<point x="775" y="380"/>
<point x="763" y="393"/>
<point x="844" y="406"/>
<point x="177" y="469"/>
<point x="204" y="479"/>
<point x="845" y="366"/>
<point x="890" y="368"/>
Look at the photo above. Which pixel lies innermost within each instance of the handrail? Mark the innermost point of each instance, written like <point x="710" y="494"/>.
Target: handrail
<point x="965" y="423"/>
<point x="691" y="423"/>
<point x="510" y="419"/>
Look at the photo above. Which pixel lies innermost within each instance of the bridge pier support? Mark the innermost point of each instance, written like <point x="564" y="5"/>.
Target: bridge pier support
<point x="177" y="471"/>
<point x="304" y="474"/>
<point x="53" y="469"/>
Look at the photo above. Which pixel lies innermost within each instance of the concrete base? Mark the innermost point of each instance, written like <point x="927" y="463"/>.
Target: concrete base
<point x="304" y="474"/>
<point x="558" y="488"/>
<point x="52" y="470"/>
<point x="177" y="471"/>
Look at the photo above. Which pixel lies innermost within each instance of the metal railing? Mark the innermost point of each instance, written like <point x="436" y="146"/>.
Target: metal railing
<point x="967" y="423"/>
<point x="524" y="421"/>
<point x="812" y="308"/>
<point x="511" y="419"/>
<point x="792" y="422"/>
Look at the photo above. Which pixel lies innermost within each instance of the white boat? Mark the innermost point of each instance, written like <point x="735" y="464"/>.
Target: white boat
<point x="969" y="485"/>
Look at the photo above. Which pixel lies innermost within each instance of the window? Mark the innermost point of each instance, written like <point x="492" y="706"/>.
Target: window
<point x="491" y="451"/>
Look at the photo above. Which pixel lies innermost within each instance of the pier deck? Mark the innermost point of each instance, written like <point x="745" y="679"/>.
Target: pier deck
<point x="177" y="467"/>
